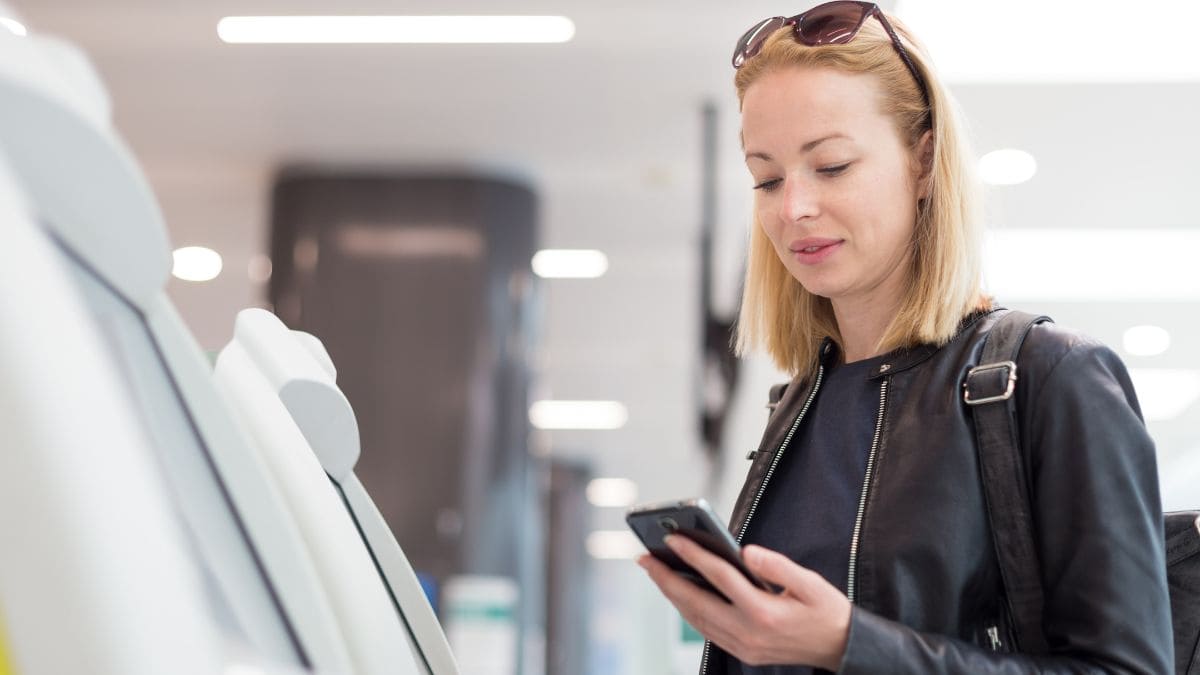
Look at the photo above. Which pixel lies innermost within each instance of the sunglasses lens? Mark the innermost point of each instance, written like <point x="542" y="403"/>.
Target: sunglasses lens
<point x="753" y="40"/>
<point x="831" y="24"/>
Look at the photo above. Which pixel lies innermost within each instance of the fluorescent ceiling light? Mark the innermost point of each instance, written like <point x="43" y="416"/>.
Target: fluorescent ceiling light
<point x="259" y="269"/>
<point x="14" y="26"/>
<point x="1007" y="167"/>
<point x="196" y="263"/>
<point x="578" y="415"/>
<point x="612" y="492"/>
<point x="569" y="264"/>
<point x="395" y="29"/>
<point x="1092" y="265"/>
<point x="1146" y="340"/>
<point x="1165" y="393"/>
<point x="1100" y="41"/>
<point x="614" y="545"/>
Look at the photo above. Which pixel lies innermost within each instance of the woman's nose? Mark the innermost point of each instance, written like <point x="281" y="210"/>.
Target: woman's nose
<point x="799" y="201"/>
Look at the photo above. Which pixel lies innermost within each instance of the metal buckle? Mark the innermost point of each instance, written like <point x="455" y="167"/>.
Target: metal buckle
<point x="1008" y="391"/>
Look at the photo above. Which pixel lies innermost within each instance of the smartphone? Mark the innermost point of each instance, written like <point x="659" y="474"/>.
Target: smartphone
<point x="692" y="518"/>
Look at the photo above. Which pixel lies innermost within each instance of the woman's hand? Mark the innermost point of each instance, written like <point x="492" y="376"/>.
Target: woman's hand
<point x="807" y="623"/>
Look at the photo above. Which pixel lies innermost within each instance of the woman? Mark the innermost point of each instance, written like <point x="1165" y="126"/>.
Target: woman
<point x="864" y="502"/>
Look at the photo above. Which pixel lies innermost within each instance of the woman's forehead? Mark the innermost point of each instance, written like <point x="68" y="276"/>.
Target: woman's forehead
<point x="801" y="106"/>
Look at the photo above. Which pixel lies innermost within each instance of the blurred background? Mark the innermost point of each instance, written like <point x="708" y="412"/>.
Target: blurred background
<point x="391" y="199"/>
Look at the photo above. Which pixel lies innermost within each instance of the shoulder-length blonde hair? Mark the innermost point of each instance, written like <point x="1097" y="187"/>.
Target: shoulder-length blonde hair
<point x="943" y="283"/>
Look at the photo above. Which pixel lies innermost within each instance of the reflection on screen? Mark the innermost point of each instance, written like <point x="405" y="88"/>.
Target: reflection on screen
<point x="243" y="603"/>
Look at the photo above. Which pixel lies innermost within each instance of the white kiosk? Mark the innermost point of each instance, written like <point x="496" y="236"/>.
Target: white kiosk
<point x="283" y="384"/>
<point x="142" y="531"/>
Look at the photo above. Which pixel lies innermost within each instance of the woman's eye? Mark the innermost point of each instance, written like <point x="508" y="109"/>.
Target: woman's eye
<point x="835" y="170"/>
<point x="768" y="185"/>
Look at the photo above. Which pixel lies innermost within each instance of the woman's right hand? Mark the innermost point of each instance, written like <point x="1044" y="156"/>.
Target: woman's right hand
<point x="807" y="623"/>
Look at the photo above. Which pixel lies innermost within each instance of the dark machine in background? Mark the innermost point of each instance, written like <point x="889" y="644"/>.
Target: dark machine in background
<point x="720" y="367"/>
<point x="421" y="289"/>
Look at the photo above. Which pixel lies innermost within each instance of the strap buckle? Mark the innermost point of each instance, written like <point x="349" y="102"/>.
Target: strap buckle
<point x="986" y="378"/>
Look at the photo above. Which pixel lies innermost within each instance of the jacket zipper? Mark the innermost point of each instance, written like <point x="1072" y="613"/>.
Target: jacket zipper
<point x="763" y="488"/>
<point x="862" y="498"/>
<point x="993" y="633"/>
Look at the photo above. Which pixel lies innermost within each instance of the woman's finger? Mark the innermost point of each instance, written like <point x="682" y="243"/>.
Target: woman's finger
<point x="703" y="610"/>
<point x="725" y="577"/>
<point x="778" y="569"/>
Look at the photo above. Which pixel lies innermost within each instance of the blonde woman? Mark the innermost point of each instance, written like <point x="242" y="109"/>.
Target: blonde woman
<point x="864" y="502"/>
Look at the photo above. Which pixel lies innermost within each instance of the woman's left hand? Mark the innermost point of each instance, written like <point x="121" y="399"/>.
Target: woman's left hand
<point x="808" y="622"/>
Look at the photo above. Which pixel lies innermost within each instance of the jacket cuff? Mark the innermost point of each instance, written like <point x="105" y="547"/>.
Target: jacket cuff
<point x="871" y="646"/>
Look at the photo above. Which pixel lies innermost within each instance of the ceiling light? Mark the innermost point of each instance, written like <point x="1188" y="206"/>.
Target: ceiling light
<point x="1157" y="50"/>
<point x="1007" y="167"/>
<point x="14" y="26"/>
<point x="196" y="263"/>
<point x="395" y="29"/>
<point x="614" y="545"/>
<point x="578" y="415"/>
<point x="1092" y="265"/>
<point x="612" y="492"/>
<point x="569" y="264"/>
<point x="259" y="269"/>
<point x="1146" y="340"/>
<point x="1165" y="393"/>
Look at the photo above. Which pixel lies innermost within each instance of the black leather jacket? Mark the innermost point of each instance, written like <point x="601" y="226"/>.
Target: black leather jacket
<point x="923" y="574"/>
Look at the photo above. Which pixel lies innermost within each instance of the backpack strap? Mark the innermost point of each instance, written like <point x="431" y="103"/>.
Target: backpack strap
<point x="989" y="392"/>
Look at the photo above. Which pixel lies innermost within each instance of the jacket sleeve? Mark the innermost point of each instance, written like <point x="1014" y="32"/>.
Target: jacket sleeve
<point x="1099" y="532"/>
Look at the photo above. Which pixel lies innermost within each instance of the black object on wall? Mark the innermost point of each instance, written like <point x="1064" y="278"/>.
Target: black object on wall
<point x="421" y="289"/>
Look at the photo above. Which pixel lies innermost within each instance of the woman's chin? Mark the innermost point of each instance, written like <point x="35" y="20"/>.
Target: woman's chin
<point x="821" y="288"/>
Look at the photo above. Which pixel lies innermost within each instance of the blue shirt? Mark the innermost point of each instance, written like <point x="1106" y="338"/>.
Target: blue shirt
<point x="811" y="501"/>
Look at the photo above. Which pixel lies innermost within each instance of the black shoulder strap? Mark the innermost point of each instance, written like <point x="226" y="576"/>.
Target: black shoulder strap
<point x="989" y="391"/>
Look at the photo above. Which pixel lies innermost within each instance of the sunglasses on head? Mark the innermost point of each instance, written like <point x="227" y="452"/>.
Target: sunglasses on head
<point x="831" y="23"/>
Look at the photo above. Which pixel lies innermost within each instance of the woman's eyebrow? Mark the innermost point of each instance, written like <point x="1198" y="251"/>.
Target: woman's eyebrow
<point x="807" y="147"/>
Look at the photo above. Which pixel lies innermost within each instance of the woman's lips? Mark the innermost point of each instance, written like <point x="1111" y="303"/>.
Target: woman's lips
<point x="812" y="250"/>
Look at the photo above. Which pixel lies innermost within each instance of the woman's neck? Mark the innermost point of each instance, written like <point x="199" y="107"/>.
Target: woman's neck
<point x="862" y="323"/>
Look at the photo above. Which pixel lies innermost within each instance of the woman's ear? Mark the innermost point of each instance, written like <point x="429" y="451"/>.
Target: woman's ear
<point x="925" y="164"/>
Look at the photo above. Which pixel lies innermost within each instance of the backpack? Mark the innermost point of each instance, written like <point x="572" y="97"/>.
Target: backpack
<point x="989" y="393"/>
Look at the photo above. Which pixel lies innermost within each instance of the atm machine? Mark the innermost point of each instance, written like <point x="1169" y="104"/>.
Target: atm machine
<point x="283" y="385"/>
<point x="143" y="528"/>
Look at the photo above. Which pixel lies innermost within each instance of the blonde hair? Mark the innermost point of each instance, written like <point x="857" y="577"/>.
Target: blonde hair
<point x="943" y="284"/>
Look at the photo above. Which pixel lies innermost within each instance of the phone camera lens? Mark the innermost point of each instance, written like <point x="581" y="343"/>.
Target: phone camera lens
<point x="668" y="524"/>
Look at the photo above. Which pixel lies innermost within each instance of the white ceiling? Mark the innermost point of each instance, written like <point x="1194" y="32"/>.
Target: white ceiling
<point x="607" y="130"/>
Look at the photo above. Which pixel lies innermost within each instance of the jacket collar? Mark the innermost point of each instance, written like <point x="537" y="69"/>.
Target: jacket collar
<point x="904" y="358"/>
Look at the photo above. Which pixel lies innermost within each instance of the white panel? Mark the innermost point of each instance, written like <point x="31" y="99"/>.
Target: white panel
<point x="295" y="371"/>
<point x="326" y="422"/>
<point x="401" y="578"/>
<point x="368" y="622"/>
<point x="79" y="177"/>
<point x="92" y="555"/>
<point x="254" y="493"/>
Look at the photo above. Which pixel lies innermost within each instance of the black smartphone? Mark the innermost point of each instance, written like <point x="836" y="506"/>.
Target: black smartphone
<point x="692" y="518"/>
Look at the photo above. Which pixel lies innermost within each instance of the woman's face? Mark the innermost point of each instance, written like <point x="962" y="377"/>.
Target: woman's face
<point x="835" y="188"/>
